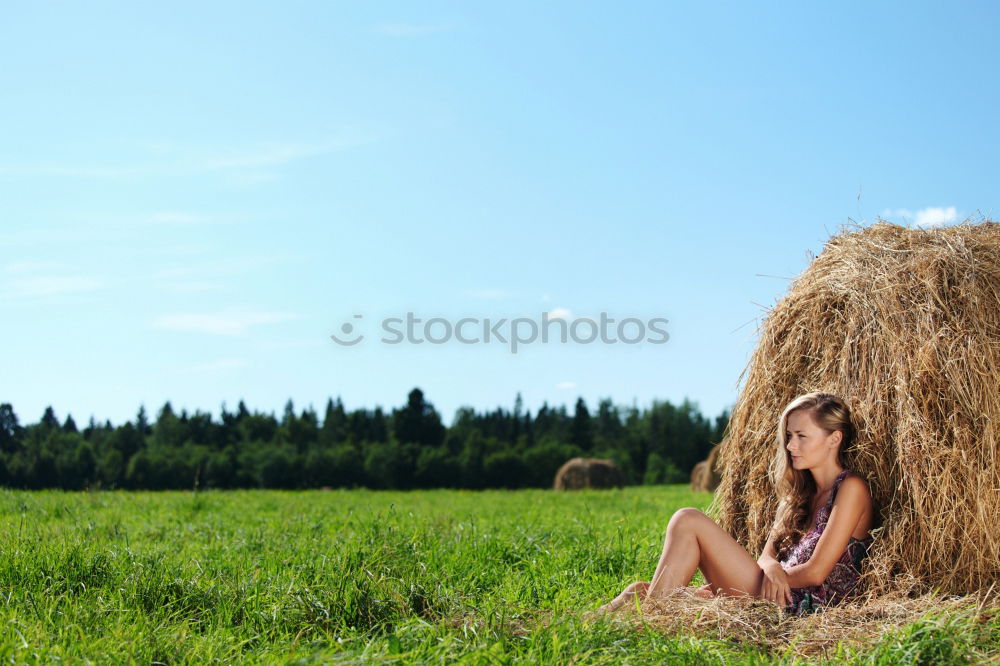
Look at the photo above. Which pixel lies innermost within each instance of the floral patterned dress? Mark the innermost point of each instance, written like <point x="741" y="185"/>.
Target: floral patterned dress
<point x="844" y="576"/>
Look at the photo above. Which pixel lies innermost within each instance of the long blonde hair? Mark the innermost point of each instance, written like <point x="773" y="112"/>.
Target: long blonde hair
<point x="796" y="488"/>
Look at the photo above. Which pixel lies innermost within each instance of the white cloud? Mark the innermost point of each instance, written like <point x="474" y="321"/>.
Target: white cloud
<point x="30" y="266"/>
<point x="75" y="170"/>
<point x="285" y="344"/>
<point x="935" y="217"/>
<point x="488" y="293"/>
<point x="566" y="385"/>
<point x="249" y="177"/>
<point x="220" y="323"/>
<point x="220" y="364"/>
<point x="100" y="228"/>
<point x="924" y="218"/>
<point x="180" y="249"/>
<point x="272" y="154"/>
<point x="194" y="286"/>
<point x="412" y="29"/>
<point x="245" y="162"/>
<point x="560" y="313"/>
<point x="222" y="267"/>
<point x="179" y="218"/>
<point x="48" y="285"/>
<point x="211" y="275"/>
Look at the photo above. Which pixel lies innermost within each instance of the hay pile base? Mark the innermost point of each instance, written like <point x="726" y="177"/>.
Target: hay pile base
<point x="762" y="624"/>
<point x="905" y="325"/>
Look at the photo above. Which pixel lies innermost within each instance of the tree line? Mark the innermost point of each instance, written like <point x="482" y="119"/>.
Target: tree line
<point x="405" y="449"/>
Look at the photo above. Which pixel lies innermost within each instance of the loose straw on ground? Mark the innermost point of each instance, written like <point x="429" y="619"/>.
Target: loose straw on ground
<point x="765" y="625"/>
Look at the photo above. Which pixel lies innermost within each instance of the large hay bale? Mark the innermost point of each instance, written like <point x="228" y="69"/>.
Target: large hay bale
<point x="905" y="325"/>
<point x="577" y="473"/>
<point x="705" y="476"/>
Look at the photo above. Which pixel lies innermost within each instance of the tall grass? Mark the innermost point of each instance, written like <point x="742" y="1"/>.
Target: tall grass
<point x="303" y="577"/>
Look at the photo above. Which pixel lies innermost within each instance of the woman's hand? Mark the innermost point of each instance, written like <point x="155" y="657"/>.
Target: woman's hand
<point x="774" y="587"/>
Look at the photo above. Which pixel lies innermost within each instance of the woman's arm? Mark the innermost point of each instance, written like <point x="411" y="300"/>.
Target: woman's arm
<point x="853" y="499"/>
<point x="800" y="575"/>
<point x="769" y="555"/>
<point x="775" y="584"/>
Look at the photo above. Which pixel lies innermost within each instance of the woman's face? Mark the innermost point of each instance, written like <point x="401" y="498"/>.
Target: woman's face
<point x="809" y="445"/>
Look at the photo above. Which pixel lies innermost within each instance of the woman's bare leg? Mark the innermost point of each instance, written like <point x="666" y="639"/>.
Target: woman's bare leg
<point x="694" y="541"/>
<point x="627" y="596"/>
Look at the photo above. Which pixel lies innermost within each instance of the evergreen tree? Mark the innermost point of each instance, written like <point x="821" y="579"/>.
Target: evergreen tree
<point x="334" y="430"/>
<point x="515" y="433"/>
<point x="581" y="433"/>
<point x="418" y="422"/>
<point x="226" y="434"/>
<point x="528" y="428"/>
<point x="49" y="420"/>
<point x="379" y="431"/>
<point x="300" y="432"/>
<point x="142" y="421"/>
<point x="609" y="427"/>
<point x="91" y="429"/>
<point x="127" y="441"/>
<point x="10" y="431"/>
<point x="69" y="425"/>
<point x="168" y="431"/>
<point x="721" y="423"/>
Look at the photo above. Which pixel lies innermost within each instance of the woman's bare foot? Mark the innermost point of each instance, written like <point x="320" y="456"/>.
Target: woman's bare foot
<point x="705" y="592"/>
<point x="628" y="594"/>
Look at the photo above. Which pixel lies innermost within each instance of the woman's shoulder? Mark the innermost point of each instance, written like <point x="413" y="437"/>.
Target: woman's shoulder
<point x="854" y="484"/>
<point x="852" y="477"/>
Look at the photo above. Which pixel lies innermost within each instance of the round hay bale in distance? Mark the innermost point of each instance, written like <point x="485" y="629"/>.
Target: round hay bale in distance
<point x="577" y="473"/>
<point x="705" y="476"/>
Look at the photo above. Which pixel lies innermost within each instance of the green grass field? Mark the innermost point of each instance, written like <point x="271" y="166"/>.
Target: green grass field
<point x="355" y="576"/>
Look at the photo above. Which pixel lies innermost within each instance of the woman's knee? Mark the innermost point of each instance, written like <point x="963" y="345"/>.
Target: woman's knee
<point x="685" y="516"/>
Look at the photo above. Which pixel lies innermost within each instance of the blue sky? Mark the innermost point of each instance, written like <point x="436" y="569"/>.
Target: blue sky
<point x="194" y="196"/>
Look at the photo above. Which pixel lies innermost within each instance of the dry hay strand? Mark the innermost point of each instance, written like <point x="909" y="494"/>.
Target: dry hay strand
<point x="765" y="625"/>
<point x="905" y="325"/>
